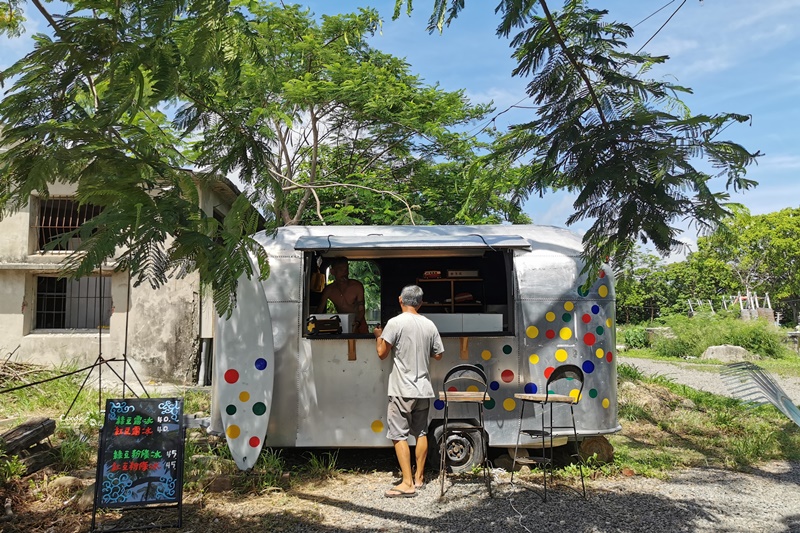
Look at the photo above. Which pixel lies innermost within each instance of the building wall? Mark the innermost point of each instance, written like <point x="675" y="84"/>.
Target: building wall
<point x="164" y="325"/>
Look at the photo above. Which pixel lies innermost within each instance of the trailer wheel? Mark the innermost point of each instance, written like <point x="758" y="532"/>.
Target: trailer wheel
<point x="464" y="449"/>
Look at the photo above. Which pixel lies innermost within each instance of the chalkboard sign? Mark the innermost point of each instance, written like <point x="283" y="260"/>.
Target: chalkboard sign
<point x="140" y="461"/>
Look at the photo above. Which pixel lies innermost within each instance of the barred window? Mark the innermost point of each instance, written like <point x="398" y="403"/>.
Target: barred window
<point x="83" y="303"/>
<point x="58" y="216"/>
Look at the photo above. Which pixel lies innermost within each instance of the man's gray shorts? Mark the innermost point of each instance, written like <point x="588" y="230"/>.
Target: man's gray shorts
<point x="407" y="416"/>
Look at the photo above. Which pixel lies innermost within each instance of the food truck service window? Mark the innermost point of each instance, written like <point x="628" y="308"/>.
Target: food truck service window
<point x="467" y="283"/>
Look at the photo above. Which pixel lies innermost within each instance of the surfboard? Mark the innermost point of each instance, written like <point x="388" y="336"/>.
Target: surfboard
<point x="244" y="372"/>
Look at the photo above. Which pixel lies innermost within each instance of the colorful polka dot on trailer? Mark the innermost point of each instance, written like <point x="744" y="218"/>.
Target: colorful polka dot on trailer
<point x="599" y="330"/>
<point x="609" y="322"/>
<point x="586" y="318"/>
<point x="259" y="408"/>
<point x="599" y="353"/>
<point x="438" y="405"/>
<point x="565" y="333"/>
<point x="531" y="388"/>
<point x="589" y="339"/>
<point x="377" y="425"/>
<point x="609" y="357"/>
<point x="548" y="371"/>
<point x="507" y="376"/>
<point x="602" y="291"/>
<point x="489" y="404"/>
<point x="486" y="355"/>
<point x="532" y="332"/>
<point x="494" y="385"/>
<point x="451" y="389"/>
<point x="509" y="404"/>
<point x="566" y="317"/>
<point x="550" y="316"/>
<point x="606" y="403"/>
<point x="576" y="395"/>
<point x="561" y="355"/>
<point x="592" y="393"/>
<point x="472" y="388"/>
<point x="231" y="409"/>
<point x="595" y="309"/>
<point x="534" y="359"/>
<point x="588" y="367"/>
<point x="244" y="396"/>
<point x="231" y="376"/>
<point x="583" y="292"/>
<point x="233" y="431"/>
<point x="551" y="334"/>
<point x="602" y="274"/>
<point x="254" y="442"/>
<point x="507" y="349"/>
<point x="569" y="306"/>
<point x="261" y="363"/>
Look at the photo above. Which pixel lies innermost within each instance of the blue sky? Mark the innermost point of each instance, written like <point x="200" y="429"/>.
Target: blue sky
<point x="737" y="55"/>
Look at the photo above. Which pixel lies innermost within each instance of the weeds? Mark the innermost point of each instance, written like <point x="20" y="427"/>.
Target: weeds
<point x="321" y="466"/>
<point x="11" y="468"/>
<point x="75" y="451"/>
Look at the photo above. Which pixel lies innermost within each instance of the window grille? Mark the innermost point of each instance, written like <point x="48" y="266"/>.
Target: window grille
<point x="58" y="216"/>
<point x="83" y="303"/>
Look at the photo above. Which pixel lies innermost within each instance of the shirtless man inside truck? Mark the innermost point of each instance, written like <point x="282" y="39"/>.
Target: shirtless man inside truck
<point x="346" y="294"/>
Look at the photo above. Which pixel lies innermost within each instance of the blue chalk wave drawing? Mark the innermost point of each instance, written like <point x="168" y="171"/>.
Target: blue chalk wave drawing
<point x="166" y="489"/>
<point x="115" y="488"/>
<point x="170" y="408"/>
<point x="119" y="408"/>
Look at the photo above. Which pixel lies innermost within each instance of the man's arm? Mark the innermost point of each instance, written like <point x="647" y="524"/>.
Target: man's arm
<point x="382" y="347"/>
<point x="323" y="302"/>
<point x="360" y="307"/>
<point x="438" y="356"/>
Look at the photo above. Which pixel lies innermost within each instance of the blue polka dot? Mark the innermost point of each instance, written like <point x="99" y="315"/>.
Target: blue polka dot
<point x="261" y="363"/>
<point x="595" y="309"/>
<point x="531" y="388"/>
<point x="438" y="405"/>
<point x="494" y="385"/>
<point x="588" y="367"/>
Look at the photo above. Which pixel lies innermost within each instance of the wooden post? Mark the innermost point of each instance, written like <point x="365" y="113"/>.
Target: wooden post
<point x="464" y="352"/>
<point x="351" y="349"/>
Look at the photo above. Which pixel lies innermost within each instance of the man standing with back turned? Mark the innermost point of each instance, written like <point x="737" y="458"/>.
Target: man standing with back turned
<point x="413" y="339"/>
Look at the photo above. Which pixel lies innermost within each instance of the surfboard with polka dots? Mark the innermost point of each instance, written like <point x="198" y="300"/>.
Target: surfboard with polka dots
<point x="245" y="371"/>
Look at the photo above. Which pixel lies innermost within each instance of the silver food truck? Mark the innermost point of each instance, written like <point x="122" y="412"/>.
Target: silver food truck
<point x="510" y="298"/>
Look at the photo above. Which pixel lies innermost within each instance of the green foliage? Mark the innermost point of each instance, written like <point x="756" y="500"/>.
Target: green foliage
<point x="75" y="450"/>
<point x="693" y="335"/>
<point x="11" y="468"/>
<point x="321" y="466"/>
<point x="625" y="143"/>
<point x="634" y="336"/>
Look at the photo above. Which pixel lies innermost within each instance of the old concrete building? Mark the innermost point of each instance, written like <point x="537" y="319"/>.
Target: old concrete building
<point x="46" y="319"/>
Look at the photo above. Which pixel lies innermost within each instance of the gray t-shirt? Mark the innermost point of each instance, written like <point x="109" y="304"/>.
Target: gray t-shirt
<point x="414" y="339"/>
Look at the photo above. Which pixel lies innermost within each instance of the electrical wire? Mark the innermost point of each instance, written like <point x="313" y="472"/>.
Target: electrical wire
<point x="662" y="27"/>
<point x="654" y="13"/>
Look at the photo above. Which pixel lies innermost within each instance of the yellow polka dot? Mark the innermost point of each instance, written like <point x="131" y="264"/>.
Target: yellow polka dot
<point x="486" y="355"/>
<point x="561" y="355"/>
<point x="532" y="332"/>
<point x="472" y="388"/>
<point x="569" y="306"/>
<point x="606" y="403"/>
<point x="377" y="426"/>
<point x="244" y="396"/>
<point x="534" y="359"/>
<point x="550" y="316"/>
<point x="602" y="291"/>
<point x="509" y="404"/>
<point x="575" y="393"/>
<point x="608" y="322"/>
<point x="599" y="353"/>
<point x="233" y="431"/>
<point x="566" y="333"/>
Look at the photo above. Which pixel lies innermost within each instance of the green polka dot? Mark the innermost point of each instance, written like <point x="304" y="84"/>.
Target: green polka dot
<point x="231" y="409"/>
<point x="259" y="408"/>
<point x="566" y="317"/>
<point x="489" y="404"/>
<point x="507" y="349"/>
<point x="593" y="393"/>
<point x="582" y="291"/>
<point x="600" y="330"/>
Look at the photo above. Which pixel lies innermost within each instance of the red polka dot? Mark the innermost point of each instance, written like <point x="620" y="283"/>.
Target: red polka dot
<point x="602" y="274"/>
<point x="548" y="371"/>
<point x="254" y="442"/>
<point x="609" y="357"/>
<point x="452" y="389"/>
<point x="231" y="376"/>
<point x="586" y="318"/>
<point x="550" y="334"/>
<point x="507" y="376"/>
<point x="589" y="339"/>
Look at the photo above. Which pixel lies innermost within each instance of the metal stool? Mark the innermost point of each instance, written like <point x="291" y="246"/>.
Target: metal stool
<point x="476" y="377"/>
<point x="547" y="432"/>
